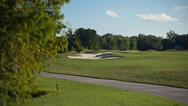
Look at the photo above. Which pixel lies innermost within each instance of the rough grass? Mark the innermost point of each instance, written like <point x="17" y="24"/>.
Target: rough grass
<point x="165" y="68"/>
<point x="80" y="94"/>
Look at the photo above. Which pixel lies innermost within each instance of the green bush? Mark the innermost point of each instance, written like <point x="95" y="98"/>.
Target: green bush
<point x="27" y="44"/>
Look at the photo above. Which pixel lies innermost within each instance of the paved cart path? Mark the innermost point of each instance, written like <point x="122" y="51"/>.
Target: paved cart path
<point x="177" y="94"/>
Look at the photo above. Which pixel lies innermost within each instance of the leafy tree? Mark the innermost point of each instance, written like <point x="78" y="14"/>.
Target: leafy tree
<point x="127" y="43"/>
<point x="133" y="43"/>
<point x="83" y="37"/>
<point x="109" y="42"/>
<point x="182" y="41"/>
<point x="172" y="36"/>
<point x="27" y="44"/>
<point x="149" y="42"/>
<point x="73" y="41"/>
<point x="71" y="38"/>
<point x="123" y="43"/>
<point x="176" y="41"/>
<point x="167" y="44"/>
<point x="88" y="38"/>
<point x="62" y="44"/>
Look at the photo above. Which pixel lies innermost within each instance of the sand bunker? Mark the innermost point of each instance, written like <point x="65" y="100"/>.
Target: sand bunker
<point x="107" y="55"/>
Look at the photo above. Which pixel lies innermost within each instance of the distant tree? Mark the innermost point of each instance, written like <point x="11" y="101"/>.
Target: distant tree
<point x="88" y="38"/>
<point x="167" y="44"/>
<point x="149" y="42"/>
<point x="182" y="41"/>
<point x="73" y="41"/>
<point x="133" y="43"/>
<point x="142" y="43"/>
<point x="123" y="43"/>
<point x="157" y="43"/>
<point x="82" y="35"/>
<point x="109" y="42"/>
<point x="95" y="43"/>
<point x="127" y="43"/>
<point x="62" y="44"/>
<point x="176" y="41"/>
<point x="172" y="36"/>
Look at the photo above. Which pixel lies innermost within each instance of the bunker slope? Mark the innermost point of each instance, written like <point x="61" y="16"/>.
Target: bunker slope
<point x="107" y="55"/>
<point x="177" y="94"/>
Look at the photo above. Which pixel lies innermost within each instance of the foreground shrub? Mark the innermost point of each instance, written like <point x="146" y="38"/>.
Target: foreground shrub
<point x="27" y="44"/>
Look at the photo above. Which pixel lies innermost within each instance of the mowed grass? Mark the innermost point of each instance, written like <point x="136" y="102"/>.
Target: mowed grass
<point x="165" y="68"/>
<point x="80" y="94"/>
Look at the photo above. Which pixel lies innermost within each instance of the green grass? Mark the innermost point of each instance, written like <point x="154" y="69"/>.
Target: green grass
<point x="80" y="94"/>
<point x="166" y="68"/>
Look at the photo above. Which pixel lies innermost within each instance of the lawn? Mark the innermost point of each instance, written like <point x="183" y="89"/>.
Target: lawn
<point x="165" y="68"/>
<point x="82" y="94"/>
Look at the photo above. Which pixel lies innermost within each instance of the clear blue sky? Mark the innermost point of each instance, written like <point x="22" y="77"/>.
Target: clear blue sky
<point x="128" y="17"/>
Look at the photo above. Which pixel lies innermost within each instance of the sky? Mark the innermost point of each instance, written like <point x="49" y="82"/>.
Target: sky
<point x="128" y="17"/>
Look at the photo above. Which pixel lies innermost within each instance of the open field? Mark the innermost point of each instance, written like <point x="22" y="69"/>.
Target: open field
<point x="80" y="94"/>
<point x="165" y="68"/>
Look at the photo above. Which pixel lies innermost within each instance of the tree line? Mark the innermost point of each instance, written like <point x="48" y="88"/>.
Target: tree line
<point x="89" y="39"/>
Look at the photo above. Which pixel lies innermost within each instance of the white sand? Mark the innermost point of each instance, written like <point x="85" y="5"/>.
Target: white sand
<point x="91" y="56"/>
<point x="84" y="56"/>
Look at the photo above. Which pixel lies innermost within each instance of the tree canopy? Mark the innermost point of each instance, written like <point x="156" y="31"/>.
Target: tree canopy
<point x="27" y="44"/>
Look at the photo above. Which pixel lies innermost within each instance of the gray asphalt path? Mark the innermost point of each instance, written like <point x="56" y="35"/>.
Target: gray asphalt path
<point x="177" y="94"/>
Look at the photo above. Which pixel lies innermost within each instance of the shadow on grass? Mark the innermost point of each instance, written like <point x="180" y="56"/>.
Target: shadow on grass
<point x="39" y="93"/>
